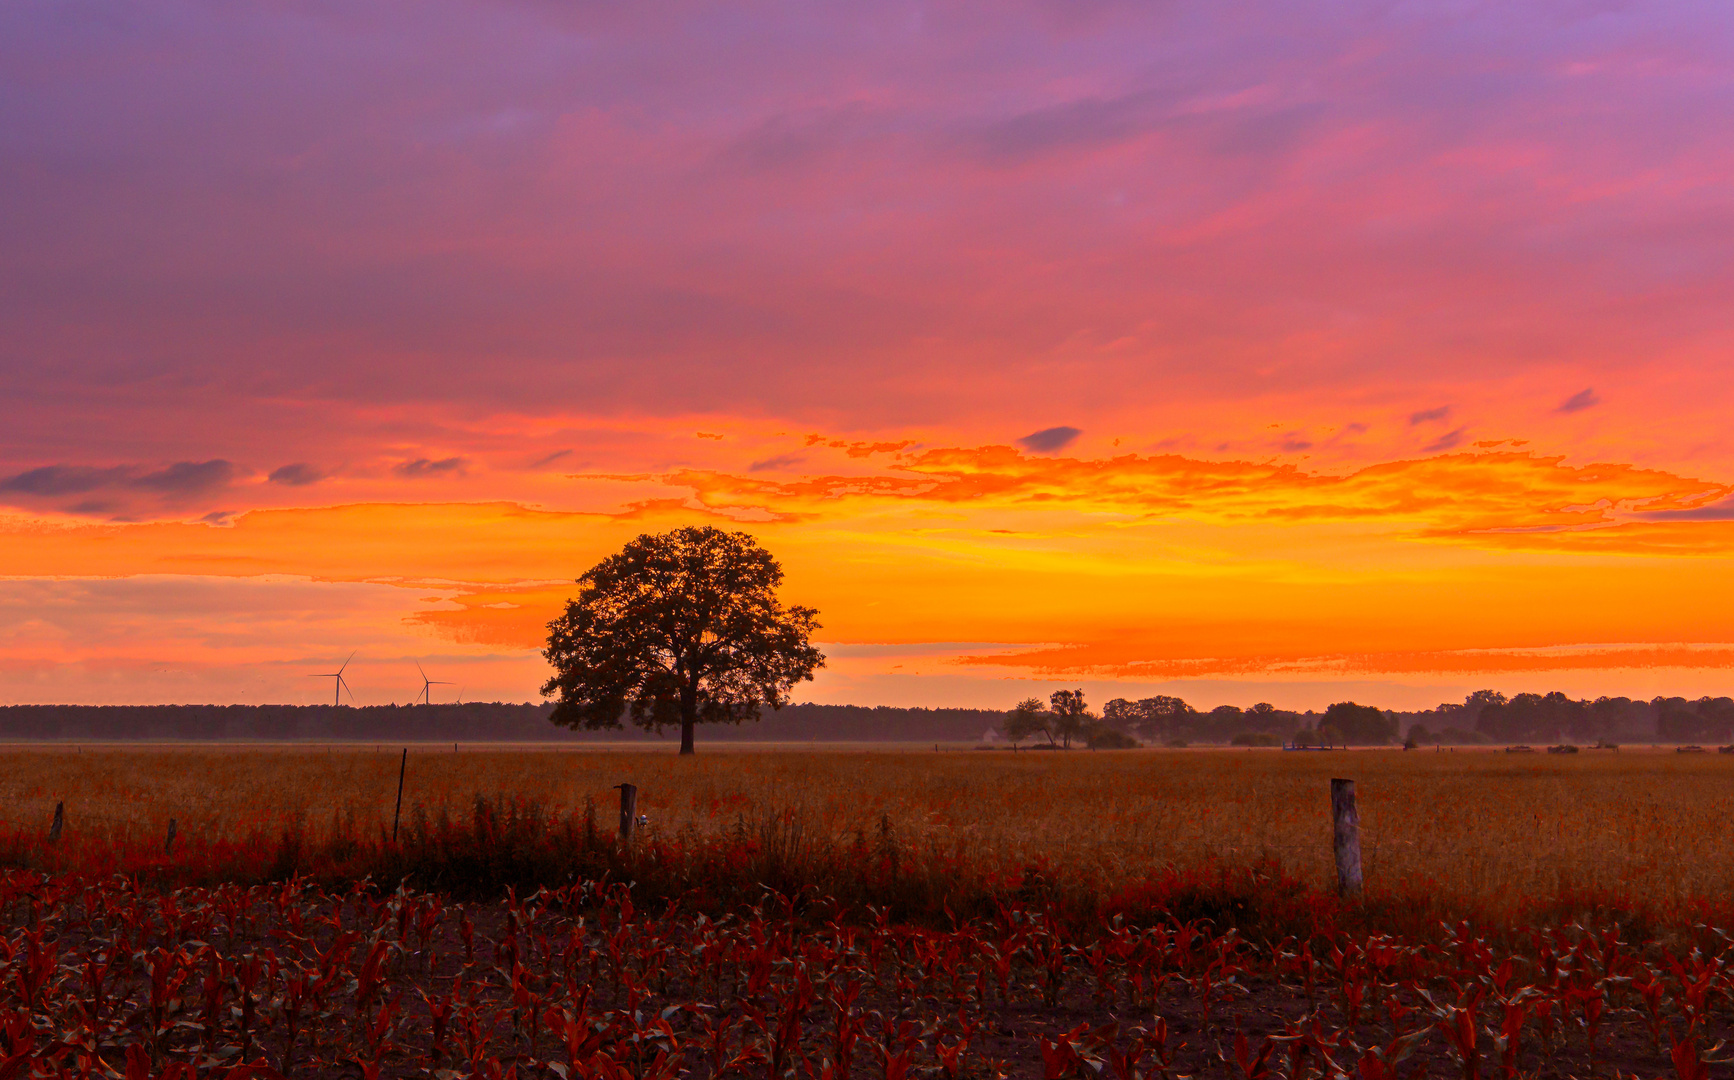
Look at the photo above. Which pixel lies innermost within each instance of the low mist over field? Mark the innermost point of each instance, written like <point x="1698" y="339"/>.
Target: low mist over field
<point x="1485" y="717"/>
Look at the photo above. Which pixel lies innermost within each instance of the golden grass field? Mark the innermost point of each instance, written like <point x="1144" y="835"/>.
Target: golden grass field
<point x="1483" y="831"/>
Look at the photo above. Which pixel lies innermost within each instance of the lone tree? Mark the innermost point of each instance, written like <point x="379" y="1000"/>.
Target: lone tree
<point x="1071" y="718"/>
<point x="1028" y="718"/>
<point x="682" y="627"/>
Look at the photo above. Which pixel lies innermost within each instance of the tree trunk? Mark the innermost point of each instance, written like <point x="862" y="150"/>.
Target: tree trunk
<point x="688" y="714"/>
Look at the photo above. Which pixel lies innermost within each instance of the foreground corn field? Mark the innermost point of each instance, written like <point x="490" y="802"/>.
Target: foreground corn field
<point x="104" y="979"/>
<point x="881" y="916"/>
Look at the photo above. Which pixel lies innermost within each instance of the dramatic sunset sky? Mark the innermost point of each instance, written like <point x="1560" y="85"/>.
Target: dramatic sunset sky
<point x="1285" y="352"/>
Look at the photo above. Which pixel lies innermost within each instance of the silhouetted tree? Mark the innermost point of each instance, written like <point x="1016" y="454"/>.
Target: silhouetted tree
<point x="1476" y="702"/>
<point x="1222" y="723"/>
<point x="1028" y="717"/>
<point x="1679" y="720"/>
<point x="1531" y="717"/>
<point x="1354" y="723"/>
<point x="1120" y="713"/>
<point x="1072" y="718"/>
<point x="1268" y="718"/>
<point x="1619" y="717"/>
<point x="679" y="628"/>
<point x="1157" y="717"/>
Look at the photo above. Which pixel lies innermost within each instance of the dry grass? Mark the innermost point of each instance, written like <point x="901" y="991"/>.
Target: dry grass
<point x="1477" y="831"/>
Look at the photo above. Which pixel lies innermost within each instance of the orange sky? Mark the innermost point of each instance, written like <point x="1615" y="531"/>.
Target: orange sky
<point x="1240" y="353"/>
<point x="955" y="574"/>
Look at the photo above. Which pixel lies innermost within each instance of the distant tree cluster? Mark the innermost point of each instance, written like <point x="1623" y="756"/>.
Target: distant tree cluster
<point x="1488" y="716"/>
<point x="1364" y="725"/>
<point x="1064" y="720"/>
<point x="1485" y="716"/>
<point x="1708" y="719"/>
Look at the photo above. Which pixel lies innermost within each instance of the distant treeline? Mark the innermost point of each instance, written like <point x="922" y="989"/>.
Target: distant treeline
<point x="1483" y="717"/>
<point x="470" y="722"/>
<point x="1486" y="716"/>
<point x="1489" y="716"/>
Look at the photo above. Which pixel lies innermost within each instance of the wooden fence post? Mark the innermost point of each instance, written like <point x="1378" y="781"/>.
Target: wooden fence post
<point x="169" y="842"/>
<point x="628" y="812"/>
<point x="397" y="813"/>
<point x="1347" y="819"/>
<point x="59" y="822"/>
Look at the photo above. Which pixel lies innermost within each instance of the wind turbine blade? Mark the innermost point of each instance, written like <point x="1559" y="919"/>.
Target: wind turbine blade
<point x="346" y="662"/>
<point x="345" y="684"/>
<point x="423" y="673"/>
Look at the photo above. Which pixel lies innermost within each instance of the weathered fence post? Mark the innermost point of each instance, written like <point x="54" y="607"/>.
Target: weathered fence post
<point x="59" y="822"/>
<point x="397" y="813"/>
<point x="1347" y="819"/>
<point x="170" y="841"/>
<point x="628" y="812"/>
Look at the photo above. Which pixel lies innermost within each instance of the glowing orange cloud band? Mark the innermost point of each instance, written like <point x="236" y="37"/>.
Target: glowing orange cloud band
<point x="1134" y="566"/>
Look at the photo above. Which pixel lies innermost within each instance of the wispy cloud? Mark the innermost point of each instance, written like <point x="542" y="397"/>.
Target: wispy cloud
<point x="1048" y="440"/>
<point x="1448" y="441"/>
<point x="421" y="468"/>
<point x="51" y="480"/>
<point x="1720" y="510"/>
<point x="299" y="474"/>
<point x="1578" y="402"/>
<point x="548" y="459"/>
<point x="1429" y="415"/>
<point x="171" y="485"/>
<point x="187" y="477"/>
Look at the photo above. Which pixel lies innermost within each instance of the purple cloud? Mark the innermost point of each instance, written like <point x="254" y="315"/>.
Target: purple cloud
<point x="1048" y="440"/>
<point x="1448" y="441"/>
<point x="52" y="480"/>
<point x="187" y="478"/>
<point x="181" y="478"/>
<point x="777" y="463"/>
<point x="299" y="474"/>
<point x="425" y="467"/>
<point x="1578" y="402"/>
<point x="1720" y="510"/>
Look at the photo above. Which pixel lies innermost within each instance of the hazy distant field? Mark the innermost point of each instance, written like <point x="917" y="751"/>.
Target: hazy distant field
<point x="1484" y="830"/>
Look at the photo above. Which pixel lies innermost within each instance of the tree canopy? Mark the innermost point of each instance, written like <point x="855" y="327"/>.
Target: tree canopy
<point x="1354" y="723"/>
<point x="1027" y="718"/>
<point x="678" y="629"/>
<point x="1072" y="718"/>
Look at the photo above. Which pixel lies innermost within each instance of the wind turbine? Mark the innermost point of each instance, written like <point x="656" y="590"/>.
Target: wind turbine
<point x="426" y="683"/>
<point x="339" y="686"/>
